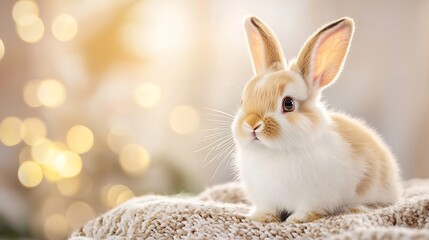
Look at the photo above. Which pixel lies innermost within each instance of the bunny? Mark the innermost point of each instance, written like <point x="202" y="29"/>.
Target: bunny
<point x="296" y="159"/>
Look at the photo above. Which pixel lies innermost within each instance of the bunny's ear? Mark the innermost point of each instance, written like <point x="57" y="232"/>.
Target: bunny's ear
<point x="322" y="57"/>
<point x="264" y="46"/>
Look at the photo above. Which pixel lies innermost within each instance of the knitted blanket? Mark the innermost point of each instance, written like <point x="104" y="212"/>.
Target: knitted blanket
<point x="217" y="213"/>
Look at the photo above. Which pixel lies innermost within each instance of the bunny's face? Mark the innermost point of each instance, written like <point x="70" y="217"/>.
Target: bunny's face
<point x="277" y="110"/>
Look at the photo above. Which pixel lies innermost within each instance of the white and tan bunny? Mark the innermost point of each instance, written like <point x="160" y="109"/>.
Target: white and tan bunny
<point x="296" y="159"/>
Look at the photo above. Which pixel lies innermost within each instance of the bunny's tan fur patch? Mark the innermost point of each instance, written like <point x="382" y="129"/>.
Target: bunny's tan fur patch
<point x="364" y="144"/>
<point x="272" y="128"/>
<point x="262" y="99"/>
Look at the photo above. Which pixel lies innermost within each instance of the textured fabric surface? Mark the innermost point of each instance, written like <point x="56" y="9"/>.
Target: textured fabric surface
<point x="217" y="213"/>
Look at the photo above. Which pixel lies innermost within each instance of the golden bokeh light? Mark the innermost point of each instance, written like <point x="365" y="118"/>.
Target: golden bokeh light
<point x="57" y="161"/>
<point x="56" y="158"/>
<point x="43" y="151"/>
<point x="56" y="227"/>
<point x="147" y="95"/>
<point x="69" y="186"/>
<point x="30" y="93"/>
<point x="78" y="213"/>
<point x="118" y="194"/>
<point x="124" y="196"/>
<point x="51" y="174"/>
<point x="118" y="137"/>
<point x="10" y="131"/>
<point x="33" y="131"/>
<point x="51" y="93"/>
<point x="184" y="119"/>
<point x="68" y="164"/>
<point x="2" y="50"/>
<point x="22" y="9"/>
<point x="134" y="159"/>
<point x="30" y="28"/>
<point x="64" y="27"/>
<point x="80" y="139"/>
<point x="30" y="174"/>
<point x="60" y="146"/>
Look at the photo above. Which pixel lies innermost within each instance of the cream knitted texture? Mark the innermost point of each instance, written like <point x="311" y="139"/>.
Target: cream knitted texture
<point x="217" y="213"/>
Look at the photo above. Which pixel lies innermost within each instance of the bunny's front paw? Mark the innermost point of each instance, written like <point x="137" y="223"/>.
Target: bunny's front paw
<point x="355" y="210"/>
<point x="304" y="217"/>
<point x="263" y="217"/>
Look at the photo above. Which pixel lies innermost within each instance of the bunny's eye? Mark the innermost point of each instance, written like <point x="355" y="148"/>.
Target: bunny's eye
<point x="288" y="104"/>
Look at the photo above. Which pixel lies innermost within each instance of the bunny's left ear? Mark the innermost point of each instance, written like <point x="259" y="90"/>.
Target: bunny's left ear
<point x="264" y="47"/>
<point x="322" y="57"/>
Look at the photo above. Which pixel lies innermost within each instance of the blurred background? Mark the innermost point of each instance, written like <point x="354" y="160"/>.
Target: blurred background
<point x="104" y="100"/>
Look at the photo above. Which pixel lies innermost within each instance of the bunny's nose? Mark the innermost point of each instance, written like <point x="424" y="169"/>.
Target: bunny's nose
<point x="256" y="128"/>
<point x="253" y="123"/>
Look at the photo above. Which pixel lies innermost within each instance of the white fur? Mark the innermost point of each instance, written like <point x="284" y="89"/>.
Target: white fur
<point x="262" y="81"/>
<point x="305" y="169"/>
<point x="300" y="180"/>
<point x="298" y="89"/>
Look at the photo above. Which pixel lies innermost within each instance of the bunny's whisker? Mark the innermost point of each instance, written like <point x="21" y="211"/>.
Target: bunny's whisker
<point x="223" y="148"/>
<point x="218" y="166"/>
<point x="220" y="121"/>
<point x="224" y="114"/>
<point x="217" y="129"/>
<point x="221" y="112"/>
<point x="231" y="153"/>
<point x="217" y="147"/>
<point x="215" y="135"/>
<point x="212" y="143"/>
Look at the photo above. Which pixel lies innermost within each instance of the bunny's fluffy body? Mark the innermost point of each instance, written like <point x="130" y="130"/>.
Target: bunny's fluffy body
<point x="304" y="159"/>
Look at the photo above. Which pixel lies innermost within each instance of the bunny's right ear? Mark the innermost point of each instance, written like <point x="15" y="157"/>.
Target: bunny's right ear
<point x="322" y="57"/>
<point x="264" y="46"/>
